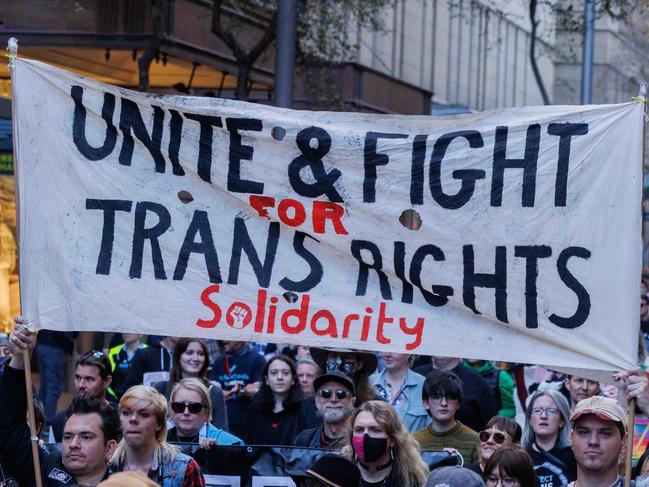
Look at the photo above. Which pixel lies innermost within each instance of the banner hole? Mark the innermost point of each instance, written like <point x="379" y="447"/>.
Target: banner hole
<point x="185" y="196"/>
<point x="278" y="133"/>
<point x="410" y="219"/>
<point x="290" y="296"/>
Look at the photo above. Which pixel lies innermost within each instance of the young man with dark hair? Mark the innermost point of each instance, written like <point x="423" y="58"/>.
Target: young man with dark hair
<point x="92" y="378"/>
<point x="90" y="433"/>
<point x="478" y="404"/>
<point x="442" y="395"/>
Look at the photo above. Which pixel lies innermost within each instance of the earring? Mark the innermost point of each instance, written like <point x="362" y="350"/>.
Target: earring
<point x="392" y="454"/>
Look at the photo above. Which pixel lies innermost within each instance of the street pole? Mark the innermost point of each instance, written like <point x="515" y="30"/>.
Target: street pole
<point x="285" y="52"/>
<point x="587" y="61"/>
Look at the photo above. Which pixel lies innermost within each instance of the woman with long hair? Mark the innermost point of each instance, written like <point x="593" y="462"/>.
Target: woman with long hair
<point x="143" y="448"/>
<point x="379" y="443"/>
<point x="500" y="432"/>
<point x="546" y="438"/>
<point x="511" y="467"/>
<point x="275" y="416"/>
<point x="190" y="360"/>
<point x="191" y="413"/>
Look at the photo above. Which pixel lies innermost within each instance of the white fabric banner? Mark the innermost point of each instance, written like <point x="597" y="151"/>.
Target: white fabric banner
<point x="216" y="218"/>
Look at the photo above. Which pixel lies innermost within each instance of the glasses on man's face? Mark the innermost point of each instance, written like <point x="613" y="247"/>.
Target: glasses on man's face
<point x="492" y="481"/>
<point x="194" y="407"/>
<point x="496" y="435"/>
<point x="548" y="411"/>
<point x="327" y="393"/>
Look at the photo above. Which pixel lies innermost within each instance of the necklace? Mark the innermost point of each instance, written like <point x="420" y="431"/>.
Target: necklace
<point x="379" y="483"/>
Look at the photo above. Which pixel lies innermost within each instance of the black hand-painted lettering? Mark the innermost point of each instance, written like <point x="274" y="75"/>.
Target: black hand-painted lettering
<point x="372" y="159"/>
<point x="205" y="143"/>
<point x="497" y="281"/>
<point x="131" y="119"/>
<point x="364" y="268"/>
<point x="315" y="274"/>
<point x="109" y="207"/>
<point x="531" y="254"/>
<point x="241" y="242"/>
<point x="175" y="136"/>
<point x="440" y="294"/>
<point x="565" y="131"/>
<point x="583" y="297"/>
<point x="417" y="170"/>
<point x="141" y="233"/>
<point x="199" y="225"/>
<point x="527" y="164"/>
<point x="311" y="158"/>
<point x="400" y="271"/>
<point x="467" y="176"/>
<point x="240" y="152"/>
<point x="79" y="126"/>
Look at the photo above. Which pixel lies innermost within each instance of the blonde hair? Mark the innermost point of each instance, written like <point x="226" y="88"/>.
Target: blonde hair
<point x="409" y="468"/>
<point x="199" y="388"/>
<point x="139" y="397"/>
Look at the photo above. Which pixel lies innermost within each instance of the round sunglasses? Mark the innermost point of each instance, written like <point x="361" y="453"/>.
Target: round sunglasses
<point x="497" y="436"/>
<point x="327" y="393"/>
<point x="194" y="407"/>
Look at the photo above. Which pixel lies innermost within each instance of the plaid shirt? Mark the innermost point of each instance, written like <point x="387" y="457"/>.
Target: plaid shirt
<point x="193" y="475"/>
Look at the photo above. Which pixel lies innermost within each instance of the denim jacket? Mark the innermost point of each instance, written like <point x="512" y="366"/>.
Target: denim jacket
<point x="407" y="402"/>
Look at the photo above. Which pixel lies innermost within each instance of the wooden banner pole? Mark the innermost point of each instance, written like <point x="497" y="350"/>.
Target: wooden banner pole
<point x="642" y="97"/>
<point x="12" y="47"/>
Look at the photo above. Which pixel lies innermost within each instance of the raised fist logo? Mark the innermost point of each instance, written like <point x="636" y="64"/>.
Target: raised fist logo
<point x="239" y="315"/>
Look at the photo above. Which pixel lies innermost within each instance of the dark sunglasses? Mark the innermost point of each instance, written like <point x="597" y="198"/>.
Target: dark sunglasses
<point x="194" y="407"/>
<point x="498" y="437"/>
<point x="327" y="393"/>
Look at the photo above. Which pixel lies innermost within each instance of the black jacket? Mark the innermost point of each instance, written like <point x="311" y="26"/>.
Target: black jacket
<point x="15" y="444"/>
<point x="152" y="359"/>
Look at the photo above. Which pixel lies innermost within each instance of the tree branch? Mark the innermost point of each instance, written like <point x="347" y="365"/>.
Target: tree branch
<point x="159" y="12"/>
<point x="225" y="35"/>
<point x="267" y="38"/>
<point x="535" y="68"/>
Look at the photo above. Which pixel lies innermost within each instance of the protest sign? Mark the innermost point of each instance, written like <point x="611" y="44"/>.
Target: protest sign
<point x="511" y="235"/>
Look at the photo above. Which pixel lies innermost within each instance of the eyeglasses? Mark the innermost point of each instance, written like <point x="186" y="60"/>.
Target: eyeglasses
<point x="194" y="407"/>
<point x="327" y="393"/>
<point x="547" y="411"/>
<point x="492" y="481"/>
<point x="496" y="435"/>
<point x="440" y="397"/>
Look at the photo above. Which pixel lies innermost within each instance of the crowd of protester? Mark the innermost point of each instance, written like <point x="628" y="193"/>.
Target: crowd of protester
<point x="139" y="403"/>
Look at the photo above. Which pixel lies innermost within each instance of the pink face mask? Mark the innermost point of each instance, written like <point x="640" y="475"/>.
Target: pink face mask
<point x="369" y="449"/>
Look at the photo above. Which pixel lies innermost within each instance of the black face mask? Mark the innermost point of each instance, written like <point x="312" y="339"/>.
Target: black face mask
<point x="369" y="449"/>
